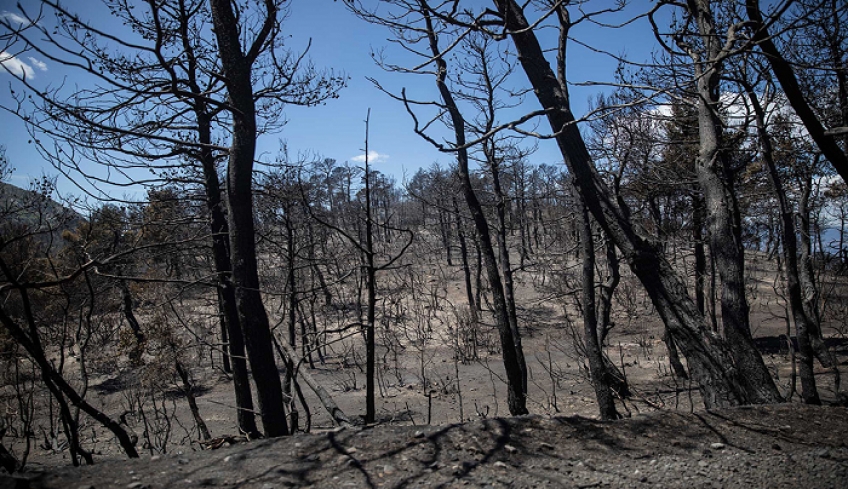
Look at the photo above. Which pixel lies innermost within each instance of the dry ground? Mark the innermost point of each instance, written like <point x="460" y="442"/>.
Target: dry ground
<point x="786" y="446"/>
<point x="442" y="421"/>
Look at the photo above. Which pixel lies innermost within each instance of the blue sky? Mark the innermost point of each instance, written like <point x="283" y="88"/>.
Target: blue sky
<point x="336" y="130"/>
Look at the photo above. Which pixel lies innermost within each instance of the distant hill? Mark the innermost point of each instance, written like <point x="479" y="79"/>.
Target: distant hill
<point x="34" y="211"/>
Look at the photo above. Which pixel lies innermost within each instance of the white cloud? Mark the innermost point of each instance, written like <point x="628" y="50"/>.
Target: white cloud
<point x="13" y="17"/>
<point x="20" y="68"/>
<point x="41" y="65"/>
<point x="15" y="66"/>
<point x="373" y="157"/>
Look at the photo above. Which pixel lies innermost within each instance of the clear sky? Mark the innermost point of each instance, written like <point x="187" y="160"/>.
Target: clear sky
<point x="343" y="43"/>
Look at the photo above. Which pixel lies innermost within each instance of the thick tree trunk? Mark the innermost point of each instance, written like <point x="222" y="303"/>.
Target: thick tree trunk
<point x="227" y="307"/>
<point x="716" y="180"/>
<point x="252" y="315"/>
<point x="720" y="383"/>
<point x="231" y="333"/>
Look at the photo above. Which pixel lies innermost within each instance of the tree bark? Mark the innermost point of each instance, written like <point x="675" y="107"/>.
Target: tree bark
<point x="503" y="248"/>
<point x="227" y="306"/>
<point x="601" y="380"/>
<point x="720" y="383"/>
<point x="253" y="318"/>
<point x="371" y="311"/>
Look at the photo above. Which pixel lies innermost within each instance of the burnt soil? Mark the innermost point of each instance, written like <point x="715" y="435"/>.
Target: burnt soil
<point x="778" y="446"/>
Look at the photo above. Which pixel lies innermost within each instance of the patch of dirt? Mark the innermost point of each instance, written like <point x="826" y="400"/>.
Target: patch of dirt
<point x="780" y="446"/>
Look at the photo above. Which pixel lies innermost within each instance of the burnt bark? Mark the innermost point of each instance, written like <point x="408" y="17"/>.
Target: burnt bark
<point x="717" y="181"/>
<point x="371" y="311"/>
<point x="601" y="379"/>
<point x="227" y="305"/>
<point x="503" y="251"/>
<point x="712" y="367"/>
<point x="237" y="67"/>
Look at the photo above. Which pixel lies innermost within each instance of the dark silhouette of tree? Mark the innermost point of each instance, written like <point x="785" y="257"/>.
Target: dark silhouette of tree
<point x="163" y="108"/>
<point x="417" y="22"/>
<point x="828" y="21"/>
<point x="35" y="287"/>
<point x="720" y="382"/>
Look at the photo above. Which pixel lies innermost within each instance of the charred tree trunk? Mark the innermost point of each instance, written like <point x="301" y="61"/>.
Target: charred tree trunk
<point x="503" y="248"/>
<point x="708" y="354"/>
<point x="371" y="312"/>
<point x="510" y="348"/>
<point x="228" y="309"/>
<point x="723" y="219"/>
<point x="601" y="380"/>
<point x="237" y="67"/>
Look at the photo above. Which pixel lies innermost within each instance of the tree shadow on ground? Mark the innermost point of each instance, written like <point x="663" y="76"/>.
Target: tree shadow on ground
<point x="775" y="345"/>
<point x="529" y="451"/>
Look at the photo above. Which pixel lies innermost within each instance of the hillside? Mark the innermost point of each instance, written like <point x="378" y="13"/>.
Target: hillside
<point x="35" y="210"/>
<point x="764" y="446"/>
